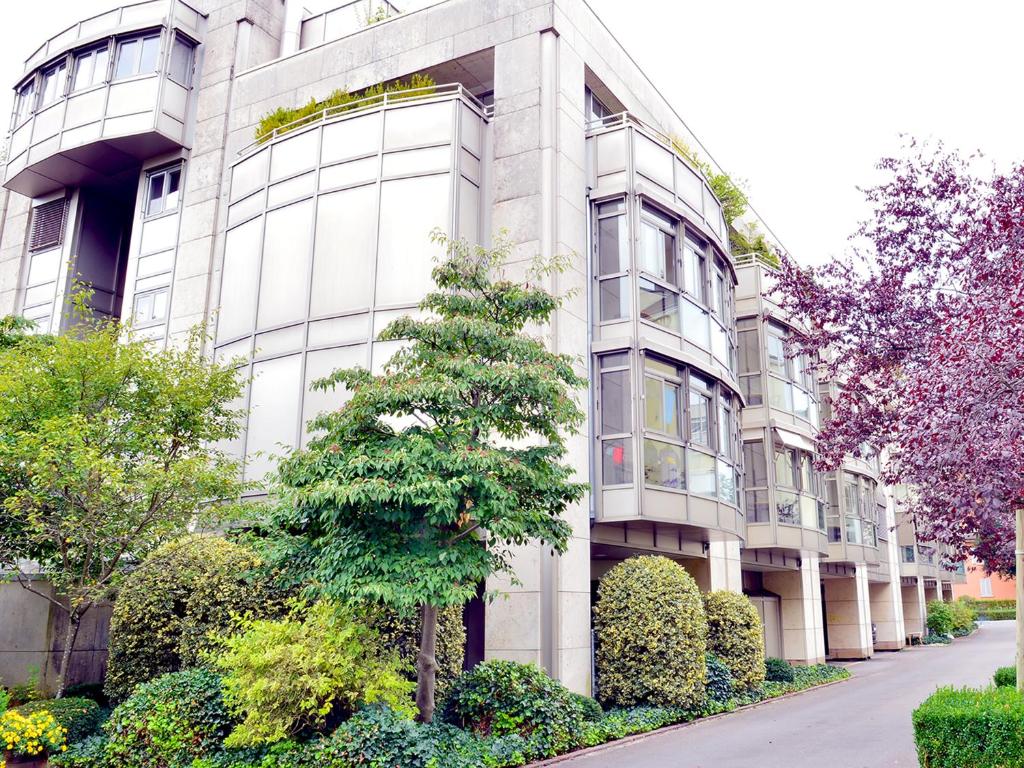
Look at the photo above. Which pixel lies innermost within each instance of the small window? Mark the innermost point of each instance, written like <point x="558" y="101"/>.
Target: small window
<point x="658" y="246"/>
<point x="179" y="69"/>
<point x="986" y="587"/>
<point x="26" y="102"/>
<point x="150" y="307"/>
<point x="90" y="68"/>
<point x="47" y="225"/>
<point x="694" y="269"/>
<point x="136" y="56"/>
<point x="163" y="191"/>
<point x="54" y="82"/>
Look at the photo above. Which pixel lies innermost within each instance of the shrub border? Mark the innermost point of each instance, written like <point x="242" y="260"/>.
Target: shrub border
<point x="632" y="739"/>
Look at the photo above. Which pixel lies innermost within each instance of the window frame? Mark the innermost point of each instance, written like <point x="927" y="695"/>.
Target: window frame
<point x="91" y="54"/>
<point x="165" y="171"/>
<point x="141" y="38"/>
<point x="25" y="100"/>
<point x="176" y="39"/>
<point x="152" y="293"/>
<point x="619" y="211"/>
<point x="625" y="437"/>
<point x="61" y="89"/>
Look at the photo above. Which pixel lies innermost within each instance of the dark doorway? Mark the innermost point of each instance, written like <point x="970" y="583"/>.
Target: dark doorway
<point x="473" y="618"/>
<point x="824" y="617"/>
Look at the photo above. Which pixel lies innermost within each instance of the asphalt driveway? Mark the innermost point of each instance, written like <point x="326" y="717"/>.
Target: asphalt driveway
<point x="861" y="723"/>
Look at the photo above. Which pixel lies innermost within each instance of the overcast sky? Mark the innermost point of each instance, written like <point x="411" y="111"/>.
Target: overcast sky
<point x="798" y="98"/>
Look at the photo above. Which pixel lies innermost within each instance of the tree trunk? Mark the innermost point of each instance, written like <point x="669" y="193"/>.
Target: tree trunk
<point x="1019" y="579"/>
<point x="426" y="664"/>
<point x="70" y="635"/>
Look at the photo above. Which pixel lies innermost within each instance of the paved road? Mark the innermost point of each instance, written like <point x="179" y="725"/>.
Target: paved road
<point x="861" y="723"/>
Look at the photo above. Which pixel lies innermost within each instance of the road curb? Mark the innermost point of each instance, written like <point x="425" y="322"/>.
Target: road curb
<point x="608" y="746"/>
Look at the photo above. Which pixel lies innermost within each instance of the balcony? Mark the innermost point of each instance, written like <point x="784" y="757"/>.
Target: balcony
<point x="103" y="95"/>
<point x="342" y="21"/>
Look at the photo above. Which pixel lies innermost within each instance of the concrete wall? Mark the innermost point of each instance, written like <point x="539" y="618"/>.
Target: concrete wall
<point x="848" y="615"/>
<point x="803" y="639"/>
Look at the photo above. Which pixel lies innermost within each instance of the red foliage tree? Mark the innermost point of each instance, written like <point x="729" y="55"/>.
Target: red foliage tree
<point x="923" y="324"/>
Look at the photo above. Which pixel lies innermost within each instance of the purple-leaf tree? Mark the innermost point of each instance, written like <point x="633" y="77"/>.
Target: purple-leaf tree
<point x="923" y="326"/>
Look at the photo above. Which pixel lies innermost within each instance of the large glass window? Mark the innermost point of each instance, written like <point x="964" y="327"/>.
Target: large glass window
<point x="54" y="82"/>
<point x="702" y="472"/>
<point x="90" y="68"/>
<point x="777" y="362"/>
<point x="657" y="246"/>
<point x="661" y="402"/>
<point x="286" y="261"/>
<point x="615" y="402"/>
<point x="615" y="419"/>
<point x="663" y="464"/>
<point x="410" y="209"/>
<point x="345" y="233"/>
<point x="136" y="56"/>
<point x="179" y="68"/>
<point x="163" y="190"/>
<point x="612" y="261"/>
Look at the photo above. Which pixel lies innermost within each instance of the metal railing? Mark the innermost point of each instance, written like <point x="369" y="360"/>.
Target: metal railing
<point x="622" y="119"/>
<point x="370" y="103"/>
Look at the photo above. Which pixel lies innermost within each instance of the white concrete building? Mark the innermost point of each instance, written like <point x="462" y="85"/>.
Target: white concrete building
<point x="134" y="166"/>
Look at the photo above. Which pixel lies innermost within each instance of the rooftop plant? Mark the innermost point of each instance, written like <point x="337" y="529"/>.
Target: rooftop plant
<point x="284" y="119"/>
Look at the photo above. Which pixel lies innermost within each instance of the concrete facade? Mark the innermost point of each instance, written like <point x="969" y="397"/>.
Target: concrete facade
<point x="295" y="250"/>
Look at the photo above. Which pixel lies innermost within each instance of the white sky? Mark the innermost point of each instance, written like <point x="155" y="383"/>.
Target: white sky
<point x="798" y="97"/>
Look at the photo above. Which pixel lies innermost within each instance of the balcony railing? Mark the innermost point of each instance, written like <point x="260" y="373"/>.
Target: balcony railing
<point x="368" y="103"/>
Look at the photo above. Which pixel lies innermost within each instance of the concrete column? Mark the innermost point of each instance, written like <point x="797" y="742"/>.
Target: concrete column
<point x="803" y="639"/>
<point x="913" y="608"/>
<point x="540" y="201"/>
<point x="724" y="571"/>
<point x="848" y="613"/>
<point x="887" y="615"/>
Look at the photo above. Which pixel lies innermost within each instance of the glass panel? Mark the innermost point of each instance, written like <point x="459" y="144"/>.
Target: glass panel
<point x="410" y="209"/>
<point x="801" y="403"/>
<point x="615" y="403"/>
<point x="127" y="57"/>
<point x="853" y="530"/>
<point x="784" y="472"/>
<point x="720" y="343"/>
<point x="156" y="194"/>
<point x="749" y="352"/>
<point x="755" y="462"/>
<point x="614" y="298"/>
<point x="663" y="464"/>
<point x="808" y="512"/>
<point x="751" y="387"/>
<point x="787" y="507"/>
<point x="658" y="305"/>
<point x="343" y="253"/>
<point x="180" y="67"/>
<point x="776" y="355"/>
<point x="322" y="363"/>
<point x="617" y="461"/>
<point x="806" y="473"/>
<point x="53" y="84"/>
<point x="173" y="188"/>
<point x="693" y="269"/>
<point x="412" y="126"/>
<point x="696" y="324"/>
<point x="352" y="137"/>
<point x="239" y="281"/>
<point x="726" y="483"/>
<point x="661" y="406"/>
<point x="757" y="506"/>
<point x="612" y="245"/>
<point x="294" y="155"/>
<point x="150" y="53"/>
<point x="657" y="252"/>
<point x="614" y="360"/>
<point x="701" y="473"/>
<point x="273" y="412"/>
<point x="725" y="446"/>
<point x="780" y="394"/>
<point x="700" y="418"/>
<point x="286" y="257"/>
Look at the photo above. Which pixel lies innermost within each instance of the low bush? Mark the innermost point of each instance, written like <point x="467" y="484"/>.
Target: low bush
<point x="1005" y="676"/>
<point x="402" y="632"/>
<point x="778" y="670"/>
<point x="719" y="687"/>
<point x="804" y="678"/>
<point x="954" y="728"/>
<point x="87" y="753"/>
<point x="169" y="721"/>
<point x="933" y="639"/>
<point x="305" y="673"/>
<point x="651" y="635"/>
<point x="591" y="708"/>
<point x="5" y="697"/>
<point x="998" y="614"/>
<point x="78" y="717"/>
<point x="183" y="594"/>
<point x="940" y="618"/>
<point x="502" y="698"/>
<point x="619" y="723"/>
<point x="963" y="615"/>
<point x="735" y="636"/>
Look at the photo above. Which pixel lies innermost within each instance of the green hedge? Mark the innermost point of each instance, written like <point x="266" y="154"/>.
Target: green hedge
<point x="940" y="618"/>
<point x="778" y="670"/>
<point x="982" y="604"/>
<point x="735" y="636"/>
<point x="651" y="635"/>
<point x="998" y="614"/>
<point x="1005" y="676"/>
<point x="81" y="717"/>
<point x="957" y="728"/>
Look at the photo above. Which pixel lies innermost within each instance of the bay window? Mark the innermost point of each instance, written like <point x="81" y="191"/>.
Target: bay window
<point x="136" y="56"/>
<point x="90" y="68"/>
<point x="54" y="81"/>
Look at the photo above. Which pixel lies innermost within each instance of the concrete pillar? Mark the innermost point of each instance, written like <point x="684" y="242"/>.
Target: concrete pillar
<point x="887" y="615"/>
<point x="803" y="639"/>
<point x="540" y="201"/>
<point x="724" y="571"/>
<point x="913" y="608"/>
<point x="848" y="613"/>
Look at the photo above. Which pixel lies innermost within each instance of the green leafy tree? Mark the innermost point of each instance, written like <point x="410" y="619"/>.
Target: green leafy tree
<point x="105" y="452"/>
<point x="415" y="491"/>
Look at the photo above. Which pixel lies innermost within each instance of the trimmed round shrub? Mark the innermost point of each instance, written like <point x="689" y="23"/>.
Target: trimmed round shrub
<point x="80" y="717"/>
<point x="403" y="633"/>
<point x="592" y="710"/>
<point x="963" y="616"/>
<point x="506" y="698"/>
<point x="735" y="636"/>
<point x="1005" y="676"/>
<point x="169" y="721"/>
<point x="168" y="608"/>
<point x="719" y="686"/>
<point x="778" y="670"/>
<point x="651" y="635"/>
